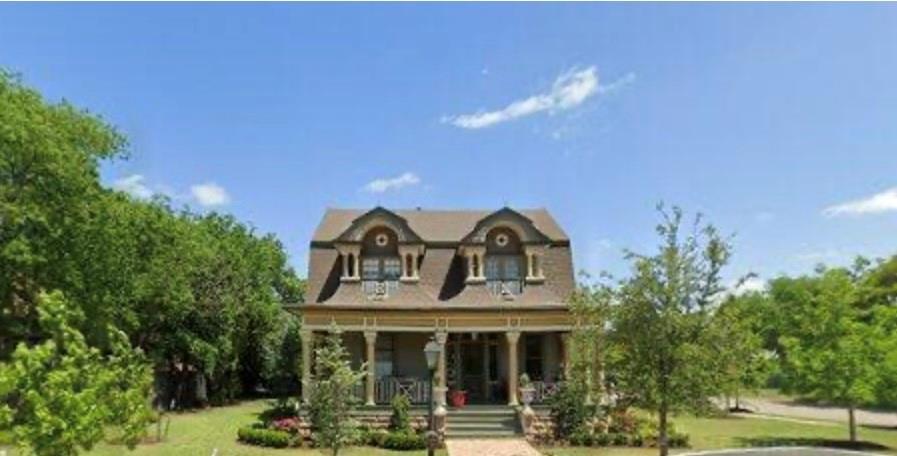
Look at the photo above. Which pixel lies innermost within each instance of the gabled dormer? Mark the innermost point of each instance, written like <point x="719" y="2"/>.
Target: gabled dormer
<point x="379" y="250"/>
<point x="504" y="251"/>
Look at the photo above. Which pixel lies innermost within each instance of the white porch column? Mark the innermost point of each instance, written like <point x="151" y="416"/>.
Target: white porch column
<point x="565" y="348"/>
<point x="307" y="341"/>
<point x="512" y="338"/>
<point x="370" y="342"/>
<point x="441" y="339"/>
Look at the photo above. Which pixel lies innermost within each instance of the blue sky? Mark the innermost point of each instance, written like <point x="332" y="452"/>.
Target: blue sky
<point x="779" y="122"/>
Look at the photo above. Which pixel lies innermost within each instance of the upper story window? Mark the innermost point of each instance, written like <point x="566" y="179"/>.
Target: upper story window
<point x="504" y="263"/>
<point x="381" y="265"/>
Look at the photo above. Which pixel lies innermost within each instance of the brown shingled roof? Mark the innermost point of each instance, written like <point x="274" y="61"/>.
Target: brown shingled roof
<point x="441" y="269"/>
<point x="434" y="225"/>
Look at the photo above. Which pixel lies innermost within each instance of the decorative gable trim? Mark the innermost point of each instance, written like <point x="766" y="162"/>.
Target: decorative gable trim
<point x="507" y="217"/>
<point x="377" y="217"/>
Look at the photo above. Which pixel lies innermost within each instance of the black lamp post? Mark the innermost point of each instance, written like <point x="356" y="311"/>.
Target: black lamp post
<point x="431" y="351"/>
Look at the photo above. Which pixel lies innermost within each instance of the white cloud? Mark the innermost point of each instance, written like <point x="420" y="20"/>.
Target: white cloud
<point x="885" y="201"/>
<point x="749" y="285"/>
<point x="569" y="90"/>
<point x="396" y="183"/>
<point x="134" y="185"/>
<point x="209" y="194"/>
<point x="629" y="78"/>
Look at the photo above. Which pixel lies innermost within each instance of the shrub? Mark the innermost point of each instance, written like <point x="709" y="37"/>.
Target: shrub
<point x="279" y="409"/>
<point x="602" y="439"/>
<point x="623" y="422"/>
<point x="288" y="425"/>
<point x="619" y="439"/>
<point x="569" y="410"/>
<point x="581" y="437"/>
<point x="400" y="420"/>
<point x="678" y="439"/>
<point x="404" y="441"/>
<point x="264" y="437"/>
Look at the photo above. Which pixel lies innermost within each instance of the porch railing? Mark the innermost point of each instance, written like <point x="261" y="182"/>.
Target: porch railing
<point x="385" y="388"/>
<point x="545" y="390"/>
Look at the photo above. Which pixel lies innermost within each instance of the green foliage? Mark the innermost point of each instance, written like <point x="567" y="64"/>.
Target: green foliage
<point x="400" y="421"/>
<point x="62" y="395"/>
<point x="571" y="414"/>
<point x="332" y="399"/>
<point x="264" y="437"/>
<point x="283" y="357"/>
<point x="830" y="349"/>
<point x="404" y="441"/>
<point x="200" y="294"/>
<point x="663" y="345"/>
<point x="745" y="365"/>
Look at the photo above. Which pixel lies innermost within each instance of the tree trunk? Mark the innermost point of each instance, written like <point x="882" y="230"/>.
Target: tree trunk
<point x="737" y="400"/>
<point x="852" y="422"/>
<point x="662" y="439"/>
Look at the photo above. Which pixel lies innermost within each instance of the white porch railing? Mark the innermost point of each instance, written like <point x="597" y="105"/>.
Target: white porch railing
<point x="385" y="388"/>
<point x="544" y="390"/>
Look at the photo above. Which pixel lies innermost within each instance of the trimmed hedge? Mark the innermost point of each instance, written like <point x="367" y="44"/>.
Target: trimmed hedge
<point x="404" y="441"/>
<point x="264" y="437"/>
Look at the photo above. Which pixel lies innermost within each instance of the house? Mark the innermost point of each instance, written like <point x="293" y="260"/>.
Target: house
<point x="490" y="287"/>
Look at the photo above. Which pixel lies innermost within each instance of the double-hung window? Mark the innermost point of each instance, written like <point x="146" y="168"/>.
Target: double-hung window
<point x="380" y="274"/>
<point x="503" y="274"/>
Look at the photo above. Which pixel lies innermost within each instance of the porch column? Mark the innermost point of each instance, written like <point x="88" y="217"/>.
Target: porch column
<point x="565" y="348"/>
<point x="370" y="342"/>
<point x="512" y="337"/>
<point x="486" y="391"/>
<point x="441" y="338"/>
<point x="306" y="337"/>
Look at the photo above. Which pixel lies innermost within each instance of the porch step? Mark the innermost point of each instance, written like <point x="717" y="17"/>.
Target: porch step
<point x="482" y="422"/>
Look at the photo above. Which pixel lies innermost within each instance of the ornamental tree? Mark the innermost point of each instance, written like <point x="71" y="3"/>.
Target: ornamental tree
<point x="332" y="398"/>
<point x="663" y="339"/>
<point x="62" y="396"/>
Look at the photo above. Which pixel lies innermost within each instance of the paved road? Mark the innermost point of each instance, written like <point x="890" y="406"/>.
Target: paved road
<point x="795" y="451"/>
<point x="811" y="412"/>
<point x="489" y="447"/>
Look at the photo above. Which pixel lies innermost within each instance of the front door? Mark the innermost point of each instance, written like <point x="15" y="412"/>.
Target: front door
<point x="472" y="366"/>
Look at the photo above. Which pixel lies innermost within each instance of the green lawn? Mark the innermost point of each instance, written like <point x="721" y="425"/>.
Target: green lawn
<point x="199" y="433"/>
<point x="729" y="432"/>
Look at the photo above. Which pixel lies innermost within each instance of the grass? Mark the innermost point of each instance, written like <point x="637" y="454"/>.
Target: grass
<point x="199" y="433"/>
<point x="733" y="432"/>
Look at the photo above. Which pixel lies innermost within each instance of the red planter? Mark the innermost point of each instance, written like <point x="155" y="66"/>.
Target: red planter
<point x="458" y="398"/>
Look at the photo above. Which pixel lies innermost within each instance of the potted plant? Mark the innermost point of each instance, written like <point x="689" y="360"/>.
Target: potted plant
<point x="526" y="389"/>
<point x="458" y="398"/>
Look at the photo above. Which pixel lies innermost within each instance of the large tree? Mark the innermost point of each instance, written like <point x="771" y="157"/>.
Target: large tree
<point x="831" y="351"/>
<point x="744" y="363"/>
<point x="663" y="336"/>
<point x="62" y="396"/>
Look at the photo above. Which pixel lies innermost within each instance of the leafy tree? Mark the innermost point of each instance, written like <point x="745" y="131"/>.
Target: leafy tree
<point x="48" y="173"/>
<point x="830" y="352"/>
<point x="590" y="305"/>
<point x="332" y="398"/>
<point x="665" y="355"/>
<point x="744" y="363"/>
<point x="283" y="357"/>
<point x="63" y="395"/>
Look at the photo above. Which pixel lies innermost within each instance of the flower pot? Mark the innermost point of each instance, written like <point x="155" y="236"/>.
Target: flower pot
<point x="458" y="398"/>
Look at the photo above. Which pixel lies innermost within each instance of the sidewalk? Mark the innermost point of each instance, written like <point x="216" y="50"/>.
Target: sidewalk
<point x="812" y="412"/>
<point x="489" y="447"/>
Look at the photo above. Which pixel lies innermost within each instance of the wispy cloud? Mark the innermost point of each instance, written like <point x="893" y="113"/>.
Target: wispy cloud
<point x="885" y="201"/>
<point x="569" y="90"/>
<point x="134" y="185"/>
<point x="395" y="183"/>
<point x="210" y="194"/>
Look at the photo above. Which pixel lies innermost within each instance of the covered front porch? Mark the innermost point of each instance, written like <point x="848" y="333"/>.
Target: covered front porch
<point x="483" y="350"/>
<point x="479" y="364"/>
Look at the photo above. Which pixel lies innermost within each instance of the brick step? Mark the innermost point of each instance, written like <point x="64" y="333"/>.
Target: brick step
<point x="454" y="425"/>
<point x="480" y="433"/>
<point x="490" y="419"/>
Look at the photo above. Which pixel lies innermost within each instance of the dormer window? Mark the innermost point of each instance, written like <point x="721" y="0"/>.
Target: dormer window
<point x="381" y="265"/>
<point x="504" y="263"/>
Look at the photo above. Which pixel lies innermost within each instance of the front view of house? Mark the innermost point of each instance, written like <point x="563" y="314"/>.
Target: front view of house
<point x="490" y="287"/>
